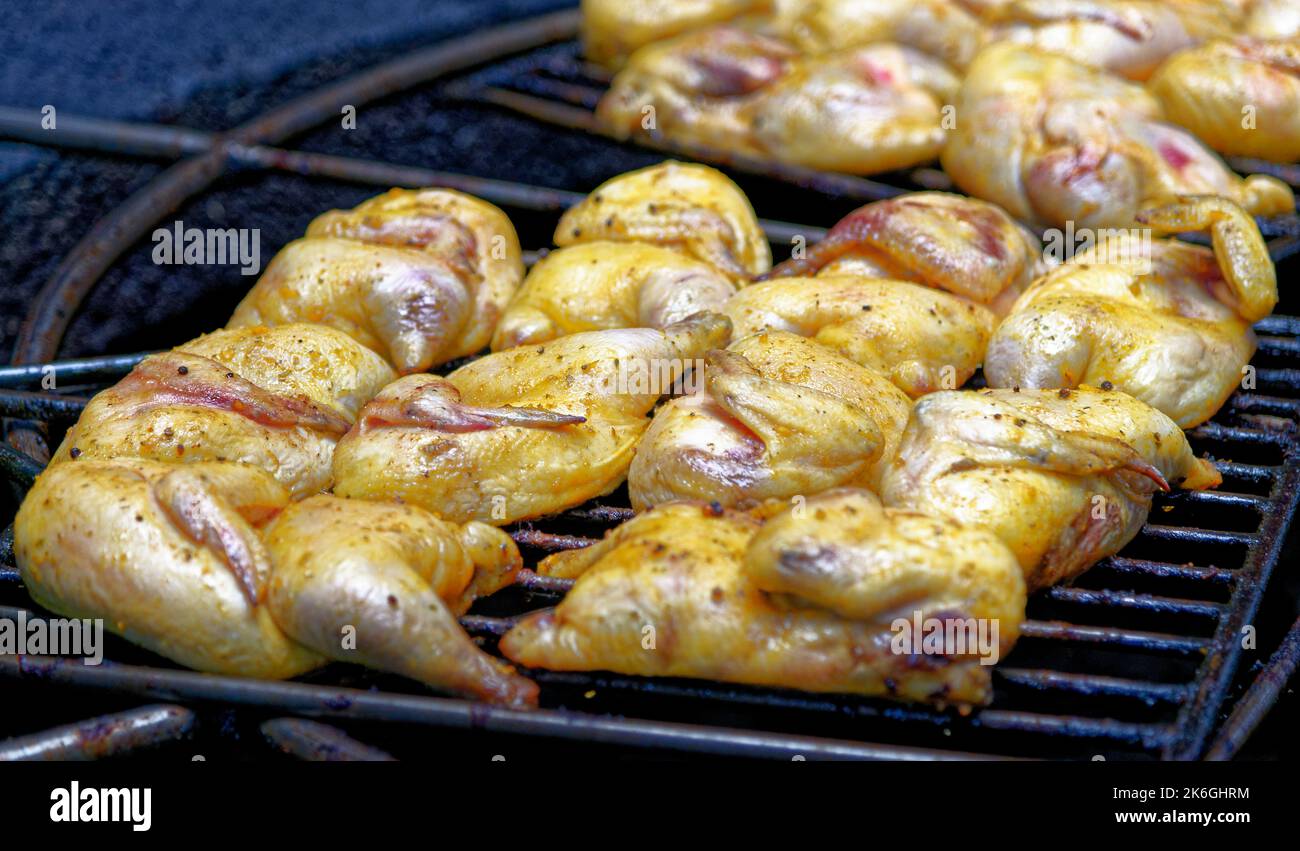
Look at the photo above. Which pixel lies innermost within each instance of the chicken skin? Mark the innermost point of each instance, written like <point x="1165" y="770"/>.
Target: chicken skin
<point x="1063" y="477"/>
<point x="1271" y="19"/>
<point x="420" y="276"/>
<point x="688" y="590"/>
<point x="594" y="286"/>
<point x="613" y="29"/>
<point x="522" y="433"/>
<point x="1172" y="329"/>
<point x="1052" y="142"/>
<point x="950" y="242"/>
<point x="397" y="577"/>
<point x="862" y="110"/>
<point x="921" y="338"/>
<point x="777" y="416"/>
<point x="1241" y="97"/>
<point x="277" y="398"/>
<point x="944" y="29"/>
<point x="691" y="208"/>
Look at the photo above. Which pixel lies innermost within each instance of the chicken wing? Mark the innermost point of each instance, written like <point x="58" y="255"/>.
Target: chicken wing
<point x="942" y="28"/>
<point x="863" y="110"/>
<point x="950" y="242"/>
<point x="1162" y="320"/>
<point x="521" y="433"/>
<point x="420" y="276"/>
<point x="594" y="286"/>
<point x="1241" y="97"/>
<point x="692" y="208"/>
<point x="1063" y="477"/>
<point x="277" y="398"/>
<point x="613" y="29"/>
<point x="1052" y="142"/>
<point x="922" y="339"/>
<point x="777" y="416"/>
<point x="382" y="584"/>
<point x="686" y="590"/>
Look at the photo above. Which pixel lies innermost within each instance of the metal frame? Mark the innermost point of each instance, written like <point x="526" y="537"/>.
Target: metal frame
<point x="208" y="156"/>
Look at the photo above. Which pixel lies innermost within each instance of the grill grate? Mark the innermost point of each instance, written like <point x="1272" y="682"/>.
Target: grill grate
<point x="1133" y="660"/>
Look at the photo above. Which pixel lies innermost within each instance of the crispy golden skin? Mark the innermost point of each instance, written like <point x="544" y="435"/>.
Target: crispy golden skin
<point x="599" y="285"/>
<point x="942" y="28"/>
<point x="1052" y="142"/>
<point x="521" y="433"/>
<point x="862" y="110"/>
<point x="1172" y="329"/>
<point x="398" y="577"/>
<point x="613" y="29"/>
<point x="673" y="592"/>
<point x="420" y="276"/>
<point x="777" y="416"/>
<point x="1241" y="97"/>
<point x="692" y="208"/>
<point x="922" y="338"/>
<point x="968" y="247"/>
<point x="1064" y="477"/>
<point x="277" y="398"/>
<point x="168" y="555"/>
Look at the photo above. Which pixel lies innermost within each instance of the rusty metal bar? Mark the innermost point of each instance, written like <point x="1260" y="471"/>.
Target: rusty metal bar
<point x="103" y="736"/>
<point x="316" y="742"/>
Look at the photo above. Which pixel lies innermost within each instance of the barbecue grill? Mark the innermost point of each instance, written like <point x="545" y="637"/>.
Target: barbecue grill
<point x="1137" y="659"/>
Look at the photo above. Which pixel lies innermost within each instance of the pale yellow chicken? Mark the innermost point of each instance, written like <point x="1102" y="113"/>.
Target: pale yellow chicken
<point x="522" y="433"/>
<point x="599" y="285"/>
<point x="1053" y="141"/>
<point x="942" y="28"/>
<point x="1271" y="18"/>
<point x="1162" y="320"/>
<point x="1063" y="477"/>
<point x="613" y="29"/>
<point x="420" y="276"/>
<point x="691" y="208"/>
<point x="923" y="339"/>
<point x="862" y="110"/>
<point x="277" y="398"/>
<point x="1241" y="97"/>
<point x="776" y="416"/>
<point x="688" y="590"/>
<point x="968" y="247"/>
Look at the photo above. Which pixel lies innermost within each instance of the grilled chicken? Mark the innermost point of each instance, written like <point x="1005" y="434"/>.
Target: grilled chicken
<point x="862" y="110"/>
<point x="1241" y="97"/>
<point x="613" y="29"/>
<point x="950" y="242"/>
<point x="1063" y="477"/>
<point x="942" y="28"/>
<point x="692" y="208"/>
<point x="393" y="579"/>
<point x="922" y="339"/>
<point x="687" y="590"/>
<point x="1052" y="141"/>
<point x="521" y="433"/>
<point x="277" y="398"/>
<point x="599" y="285"/>
<point x="777" y="416"/>
<point x="1172" y="328"/>
<point x="1271" y="18"/>
<point x="420" y="276"/>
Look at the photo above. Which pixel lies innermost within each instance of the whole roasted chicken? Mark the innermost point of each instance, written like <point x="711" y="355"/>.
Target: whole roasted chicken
<point x="862" y="110"/>
<point x="1052" y="142"/>
<point x="776" y="416"/>
<point x="811" y="601"/>
<point x="968" y="247"/>
<point x="1162" y="320"/>
<point x="420" y="276"/>
<point x="1063" y="477"/>
<point x="521" y="433"/>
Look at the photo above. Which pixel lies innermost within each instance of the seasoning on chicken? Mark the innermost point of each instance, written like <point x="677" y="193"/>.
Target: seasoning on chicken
<point x="968" y="247"/>
<point x="522" y="433"/>
<point x="921" y="338"/>
<point x="1063" y="477"/>
<point x="1052" y="142"/>
<point x="1241" y="97"/>
<point x="420" y="276"/>
<point x="692" y="208"/>
<point x="777" y="416"/>
<point x="277" y="398"/>
<point x="944" y="29"/>
<point x="688" y="590"/>
<point x="862" y="110"/>
<point x="1162" y="320"/>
